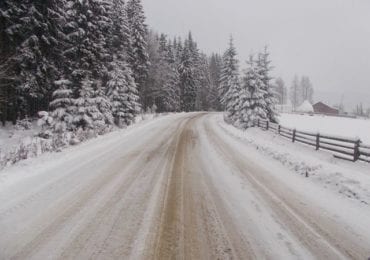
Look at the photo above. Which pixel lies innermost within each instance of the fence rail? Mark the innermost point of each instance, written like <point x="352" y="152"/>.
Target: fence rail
<point x="350" y="149"/>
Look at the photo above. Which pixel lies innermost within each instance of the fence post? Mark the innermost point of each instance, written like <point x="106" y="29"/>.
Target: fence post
<point x="294" y="132"/>
<point x="267" y="125"/>
<point x="317" y="141"/>
<point x="279" y="129"/>
<point x="356" y="151"/>
<point x="258" y="122"/>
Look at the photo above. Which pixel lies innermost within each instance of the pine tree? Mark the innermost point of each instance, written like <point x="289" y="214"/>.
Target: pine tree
<point x="169" y="78"/>
<point x="264" y="69"/>
<point x="88" y="117"/>
<point x="139" y="33"/>
<point x="205" y="86"/>
<point x="229" y="73"/>
<point x="88" y="31"/>
<point x="122" y="92"/>
<point x="215" y="67"/>
<point x="30" y="47"/>
<point x="187" y="80"/>
<point x="121" y="36"/>
<point x="251" y="104"/>
<point x="63" y="108"/>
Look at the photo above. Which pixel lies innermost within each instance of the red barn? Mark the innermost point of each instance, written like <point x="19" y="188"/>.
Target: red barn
<point x="321" y="108"/>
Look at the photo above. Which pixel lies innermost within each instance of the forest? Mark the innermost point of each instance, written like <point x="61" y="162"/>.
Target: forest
<point x="90" y="65"/>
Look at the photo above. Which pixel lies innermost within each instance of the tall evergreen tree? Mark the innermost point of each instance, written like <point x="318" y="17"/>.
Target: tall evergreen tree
<point x="122" y="92"/>
<point x="121" y="89"/>
<point x="139" y="33"/>
<point x="204" y="84"/>
<point x="215" y="67"/>
<point x="229" y="73"/>
<point x="251" y="104"/>
<point x="88" y="116"/>
<point x="187" y="80"/>
<point x="264" y="69"/>
<point x="63" y="109"/>
<point x="30" y="46"/>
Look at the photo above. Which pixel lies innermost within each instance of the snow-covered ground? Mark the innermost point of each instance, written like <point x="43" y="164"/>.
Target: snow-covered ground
<point x="11" y="137"/>
<point x="334" y="126"/>
<point x="15" y="139"/>
<point x="185" y="186"/>
<point x="351" y="180"/>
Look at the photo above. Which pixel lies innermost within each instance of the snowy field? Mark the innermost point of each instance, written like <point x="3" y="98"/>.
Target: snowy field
<point x="334" y="126"/>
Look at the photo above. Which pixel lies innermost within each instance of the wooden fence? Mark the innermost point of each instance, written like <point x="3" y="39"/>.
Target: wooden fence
<point x="342" y="148"/>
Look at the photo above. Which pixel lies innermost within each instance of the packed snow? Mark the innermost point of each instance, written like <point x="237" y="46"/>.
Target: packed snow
<point x="118" y="196"/>
<point x="329" y="125"/>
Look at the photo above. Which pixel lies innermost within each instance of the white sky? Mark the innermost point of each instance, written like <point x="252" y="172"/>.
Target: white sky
<point x="327" y="40"/>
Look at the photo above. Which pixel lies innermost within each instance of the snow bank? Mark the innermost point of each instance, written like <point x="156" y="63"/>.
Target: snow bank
<point x="306" y="107"/>
<point x="19" y="144"/>
<point x="329" y="125"/>
<point x="351" y="180"/>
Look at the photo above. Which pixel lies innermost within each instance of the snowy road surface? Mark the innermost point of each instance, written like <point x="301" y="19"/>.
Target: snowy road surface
<point x="177" y="187"/>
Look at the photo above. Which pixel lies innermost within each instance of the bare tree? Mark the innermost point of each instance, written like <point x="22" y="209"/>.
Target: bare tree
<point x="281" y="91"/>
<point x="295" y="93"/>
<point x="307" y="90"/>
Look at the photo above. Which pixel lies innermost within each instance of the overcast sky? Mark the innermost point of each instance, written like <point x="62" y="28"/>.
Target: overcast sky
<point x="327" y="40"/>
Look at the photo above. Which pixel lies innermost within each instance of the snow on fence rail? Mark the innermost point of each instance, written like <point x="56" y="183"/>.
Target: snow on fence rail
<point x="342" y="148"/>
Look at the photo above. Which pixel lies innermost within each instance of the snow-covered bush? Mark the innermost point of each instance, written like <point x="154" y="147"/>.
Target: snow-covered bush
<point x="24" y="124"/>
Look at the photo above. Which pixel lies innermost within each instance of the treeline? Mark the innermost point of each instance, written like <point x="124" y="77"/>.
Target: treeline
<point x="91" y="64"/>
<point x="87" y="65"/>
<point x="249" y="96"/>
<point x="180" y="76"/>
<point x="77" y="59"/>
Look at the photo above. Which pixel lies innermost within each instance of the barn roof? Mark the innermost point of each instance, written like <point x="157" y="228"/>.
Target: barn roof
<point x="323" y="104"/>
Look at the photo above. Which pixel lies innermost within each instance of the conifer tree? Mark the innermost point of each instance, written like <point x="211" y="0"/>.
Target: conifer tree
<point x="139" y="33"/>
<point x="30" y="47"/>
<point x="229" y="72"/>
<point x="187" y="80"/>
<point x="88" y="116"/>
<point x="264" y="69"/>
<point x="215" y="67"/>
<point x="251" y="104"/>
<point x="63" y="109"/>
<point x="122" y="92"/>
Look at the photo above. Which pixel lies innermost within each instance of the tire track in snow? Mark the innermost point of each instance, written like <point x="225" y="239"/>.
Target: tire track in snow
<point x="315" y="232"/>
<point x="66" y="210"/>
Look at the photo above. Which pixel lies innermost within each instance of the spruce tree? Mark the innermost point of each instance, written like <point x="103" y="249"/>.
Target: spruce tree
<point x="215" y="67"/>
<point x="88" y="116"/>
<point x="63" y="107"/>
<point x="31" y="39"/>
<point x="251" y="104"/>
<point x="187" y="80"/>
<point x="168" y="77"/>
<point x="122" y="92"/>
<point x="139" y="33"/>
<point x="229" y="72"/>
<point x="264" y="69"/>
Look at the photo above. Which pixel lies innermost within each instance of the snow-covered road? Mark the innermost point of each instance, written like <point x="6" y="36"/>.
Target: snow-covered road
<point x="177" y="187"/>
